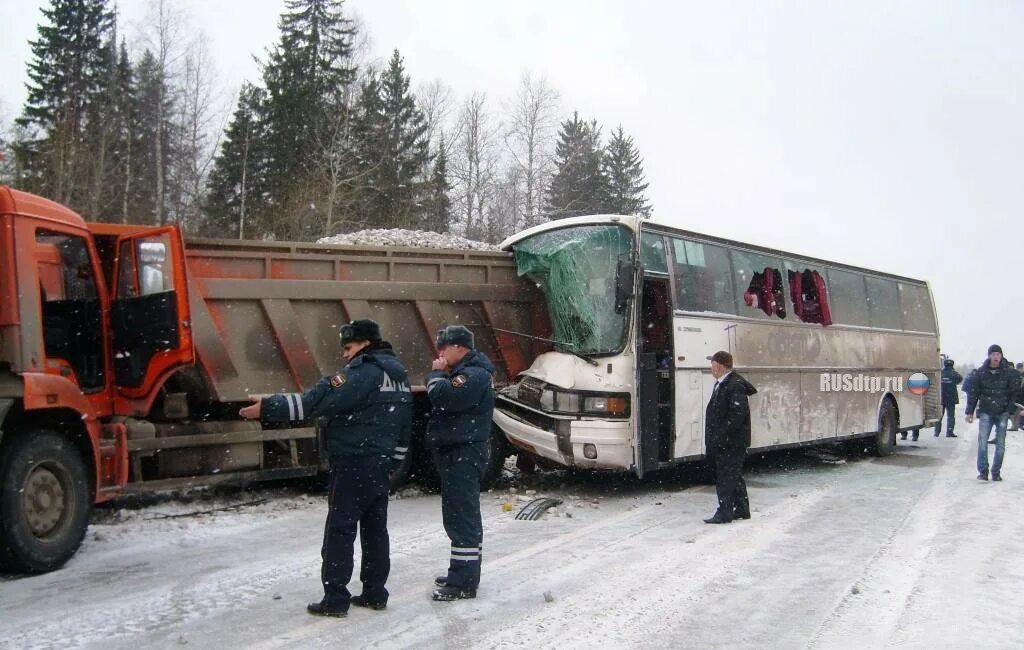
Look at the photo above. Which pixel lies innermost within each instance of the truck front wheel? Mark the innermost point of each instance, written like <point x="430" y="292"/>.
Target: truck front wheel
<point x="44" y="502"/>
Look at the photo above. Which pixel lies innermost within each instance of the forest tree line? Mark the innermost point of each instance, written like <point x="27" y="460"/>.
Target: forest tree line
<point x="131" y="130"/>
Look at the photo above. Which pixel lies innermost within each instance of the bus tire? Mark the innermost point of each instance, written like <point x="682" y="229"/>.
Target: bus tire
<point x="45" y="502"/>
<point x="885" y="439"/>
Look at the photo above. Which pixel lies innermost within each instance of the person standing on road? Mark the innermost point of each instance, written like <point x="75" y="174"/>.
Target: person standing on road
<point x="1017" y="413"/>
<point x="950" y="398"/>
<point x="726" y="438"/>
<point x="993" y="393"/>
<point x="461" y="392"/>
<point x="364" y="407"/>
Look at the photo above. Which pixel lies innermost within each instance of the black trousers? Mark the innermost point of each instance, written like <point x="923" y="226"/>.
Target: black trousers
<point x="729" y="483"/>
<point x="461" y="467"/>
<point x="949" y="410"/>
<point x="358" y="497"/>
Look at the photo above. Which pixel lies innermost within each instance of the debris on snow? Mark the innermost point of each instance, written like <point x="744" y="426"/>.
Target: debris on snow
<point x="406" y="238"/>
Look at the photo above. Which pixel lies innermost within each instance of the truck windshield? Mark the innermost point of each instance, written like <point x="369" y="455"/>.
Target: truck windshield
<point x="576" y="269"/>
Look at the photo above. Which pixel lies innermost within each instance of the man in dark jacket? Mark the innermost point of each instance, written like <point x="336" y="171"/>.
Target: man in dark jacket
<point x="950" y="398"/>
<point x="726" y="438"/>
<point x="993" y="393"/>
<point x="461" y="391"/>
<point x="363" y="410"/>
<point x="1016" y="414"/>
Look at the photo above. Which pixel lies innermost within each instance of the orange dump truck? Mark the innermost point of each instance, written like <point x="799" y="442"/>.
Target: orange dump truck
<point x="126" y="352"/>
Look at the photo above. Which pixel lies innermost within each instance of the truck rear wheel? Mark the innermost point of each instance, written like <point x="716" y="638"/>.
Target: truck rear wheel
<point x="497" y="452"/>
<point x="400" y="475"/>
<point x="44" y="502"/>
<point x="885" y="439"/>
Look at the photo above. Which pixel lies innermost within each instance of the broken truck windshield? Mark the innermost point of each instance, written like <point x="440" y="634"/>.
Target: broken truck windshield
<point x="576" y="269"/>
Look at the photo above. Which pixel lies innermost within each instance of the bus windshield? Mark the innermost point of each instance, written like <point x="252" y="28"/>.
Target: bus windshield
<point x="576" y="269"/>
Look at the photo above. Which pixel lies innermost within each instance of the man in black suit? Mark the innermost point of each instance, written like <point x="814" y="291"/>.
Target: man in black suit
<point x="726" y="438"/>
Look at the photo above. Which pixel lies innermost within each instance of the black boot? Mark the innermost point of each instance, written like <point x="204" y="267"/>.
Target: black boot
<point x="447" y="594"/>
<point x="717" y="518"/>
<point x="441" y="581"/>
<point x="359" y="601"/>
<point x="320" y="609"/>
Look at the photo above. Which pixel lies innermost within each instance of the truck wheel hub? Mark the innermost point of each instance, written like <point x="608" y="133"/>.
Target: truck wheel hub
<point x="44" y="501"/>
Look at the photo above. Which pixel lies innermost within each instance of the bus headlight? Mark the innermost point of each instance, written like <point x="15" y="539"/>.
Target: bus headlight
<point x="560" y="401"/>
<point x="606" y="404"/>
<point x="572" y="403"/>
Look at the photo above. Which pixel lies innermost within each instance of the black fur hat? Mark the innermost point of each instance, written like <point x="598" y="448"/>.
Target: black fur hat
<point x="456" y="335"/>
<point x="363" y="329"/>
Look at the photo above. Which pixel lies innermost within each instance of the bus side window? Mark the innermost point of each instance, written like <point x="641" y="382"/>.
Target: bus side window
<point x="703" y="277"/>
<point x="883" y="303"/>
<point x="849" y="299"/>
<point x="652" y="253"/>
<point x="763" y="296"/>
<point x="916" y="305"/>
<point x="810" y="298"/>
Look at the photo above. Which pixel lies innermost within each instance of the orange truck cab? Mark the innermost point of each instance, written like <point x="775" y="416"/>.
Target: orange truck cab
<point x="89" y="331"/>
<point x="125" y="357"/>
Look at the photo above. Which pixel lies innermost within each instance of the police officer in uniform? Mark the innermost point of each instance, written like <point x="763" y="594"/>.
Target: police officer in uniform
<point x="461" y="392"/>
<point x="362" y="409"/>
<point x="950" y="398"/>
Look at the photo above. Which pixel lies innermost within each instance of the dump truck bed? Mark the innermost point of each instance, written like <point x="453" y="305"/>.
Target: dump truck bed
<point x="266" y="315"/>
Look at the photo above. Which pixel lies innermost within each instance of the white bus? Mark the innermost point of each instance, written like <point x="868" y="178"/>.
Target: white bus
<point x="637" y="307"/>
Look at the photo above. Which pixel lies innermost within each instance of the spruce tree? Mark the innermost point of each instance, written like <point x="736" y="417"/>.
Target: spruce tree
<point x="578" y="186"/>
<point x="152" y="110"/>
<point x="237" y="186"/>
<point x="623" y="172"/>
<point x="66" y="76"/>
<point x="392" y="150"/>
<point x="438" y="213"/>
<point x="306" y="78"/>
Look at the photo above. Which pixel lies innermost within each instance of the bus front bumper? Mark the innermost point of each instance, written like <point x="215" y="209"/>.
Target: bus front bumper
<point x="568" y="441"/>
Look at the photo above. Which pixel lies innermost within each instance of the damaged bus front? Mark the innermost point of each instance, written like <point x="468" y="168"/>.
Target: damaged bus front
<point x="574" y="404"/>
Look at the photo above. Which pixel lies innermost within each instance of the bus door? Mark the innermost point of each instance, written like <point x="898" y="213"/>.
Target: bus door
<point x="655" y="376"/>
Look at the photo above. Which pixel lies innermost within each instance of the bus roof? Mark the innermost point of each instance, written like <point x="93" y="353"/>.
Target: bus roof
<point x="636" y="223"/>
<point x="669" y="230"/>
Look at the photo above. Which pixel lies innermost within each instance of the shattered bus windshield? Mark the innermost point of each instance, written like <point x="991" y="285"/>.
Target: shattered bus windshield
<point x="576" y="269"/>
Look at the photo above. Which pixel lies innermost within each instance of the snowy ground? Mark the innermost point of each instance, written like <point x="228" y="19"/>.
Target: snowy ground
<point x="907" y="551"/>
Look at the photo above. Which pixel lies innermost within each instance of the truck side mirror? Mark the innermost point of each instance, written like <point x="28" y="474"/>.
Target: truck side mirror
<point x="623" y="284"/>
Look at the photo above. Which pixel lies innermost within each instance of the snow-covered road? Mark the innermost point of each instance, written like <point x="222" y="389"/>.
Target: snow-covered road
<point x="906" y="551"/>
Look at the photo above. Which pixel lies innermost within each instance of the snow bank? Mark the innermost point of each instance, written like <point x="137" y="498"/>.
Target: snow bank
<point x="407" y="238"/>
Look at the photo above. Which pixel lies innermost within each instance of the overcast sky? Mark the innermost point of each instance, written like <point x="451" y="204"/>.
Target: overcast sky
<point x="886" y="135"/>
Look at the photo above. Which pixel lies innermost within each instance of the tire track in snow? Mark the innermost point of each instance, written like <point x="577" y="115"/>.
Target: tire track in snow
<point x="871" y="608"/>
<point x="500" y="574"/>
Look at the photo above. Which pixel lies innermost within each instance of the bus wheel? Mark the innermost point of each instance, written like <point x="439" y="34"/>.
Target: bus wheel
<point x="44" y="502"/>
<point x="885" y="440"/>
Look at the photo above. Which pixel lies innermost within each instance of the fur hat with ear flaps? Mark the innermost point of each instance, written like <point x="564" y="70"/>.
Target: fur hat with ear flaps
<point x="456" y="335"/>
<point x="360" y="330"/>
